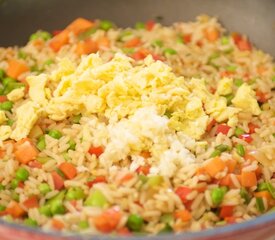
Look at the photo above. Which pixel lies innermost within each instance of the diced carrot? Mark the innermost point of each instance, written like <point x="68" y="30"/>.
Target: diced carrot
<point x="98" y="179"/>
<point x="145" y="154"/>
<point x="15" y="210"/>
<point x="248" y="179"/>
<point x="252" y="127"/>
<point x="35" y="164"/>
<point x="226" y="181"/>
<point x="124" y="231"/>
<point x="214" y="166"/>
<point x="222" y="128"/>
<point x="68" y="169"/>
<point x="261" y="96"/>
<point x="2" y="153"/>
<point x="200" y="171"/>
<point x="230" y="220"/>
<point x="103" y="42"/>
<point x="96" y="150"/>
<point x="231" y="165"/>
<point x="201" y="189"/>
<point x="244" y="45"/>
<point x="144" y="169"/>
<point x="249" y="157"/>
<point x="211" y="125"/>
<point x="246" y="137"/>
<point x="86" y="47"/>
<point x="134" y="42"/>
<point x="261" y="69"/>
<point x="58" y="41"/>
<point x="21" y="184"/>
<point x="25" y="151"/>
<point x="16" y="68"/>
<point x="183" y="192"/>
<point x="226" y="73"/>
<point x="258" y="172"/>
<point x="263" y="194"/>
<point x="226" y="211"/>
<point x="57" y="180"/>
<point x="140" y="54"/>
<point x="3" y="99"/>
<point x="187" y="38"/>
<point x="211" y="34"/>
<point x="31" y="202"/>
<point x="126" y="178"/>
<point x="107" y="221"/>
<point x="57" y="224"/>
<point x="39" y="43"/>
<point x="183" y="215"/>
<point x="79" y="25"/>
<point x="149" y="25"/>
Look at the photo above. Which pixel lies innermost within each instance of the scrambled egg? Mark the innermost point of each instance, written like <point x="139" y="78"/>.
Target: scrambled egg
<point x="3" y="117"/>
<point x="16" y="94"/>
<point x="5" y="132"/>
<point x="245" y="99"/>
<point x="118" y="89"/>
<point x="225" y="86"/>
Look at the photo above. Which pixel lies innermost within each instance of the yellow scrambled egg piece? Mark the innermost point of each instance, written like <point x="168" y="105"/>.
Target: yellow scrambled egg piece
<point x="3" y="117"/>
<point x="246" y="100"/>
<point x="16" y="94"/>
<point x="5" y="132"/>
<point x="37" y="89"/>
<point x="225" y="86"/>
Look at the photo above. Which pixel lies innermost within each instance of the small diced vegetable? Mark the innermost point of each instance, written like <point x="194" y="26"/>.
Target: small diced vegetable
<point x="169" y="51"/>
<point x="245" y="195"/>
<point x="44" y="188"/>
<point x="239" y="131"/>
<point x="260" y="205"/>
<point x="214" y="166"/>
<point x="75" y="193"/>
<point x="15" y="210"/>
<point x="183" y="215"/>
<point x="22" y="174"/>
<point x="79" y="25"/>
<point x="31" y="202"/>
<point x="135" y="222"/>
<point x="248" y="179"/>
<point x="140" y="25"/>
<point x="56" y="134"/>
<point x="240" y="150"/>
<point x="223" y="128"/>
<point x="154" y="181"/>
<point x="59" y="40"/>
<point x="68" y="169"/>
<point x="6" y="106"/>
<point x="72" y="144"/>
<point x="96" y="199"/>
<point x="183" y="192"/>
<point x="226" y="211"/>
<point x="58" y="181"/>
<point x="25" y="152"/>
<point x="96" y="150"/>
<point x="16" y="68"/>
<point x="105" y="25"/>
<point x="217" y="195"/>
<point x="41" y="144"/>
<point x="30" y="222"/>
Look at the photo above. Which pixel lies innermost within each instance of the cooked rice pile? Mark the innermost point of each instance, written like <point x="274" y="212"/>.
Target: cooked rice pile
<point x="160" y="129"/>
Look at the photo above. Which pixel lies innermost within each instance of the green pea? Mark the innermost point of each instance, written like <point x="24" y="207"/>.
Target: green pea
<point x="222" y="148"/>
<point x="154" y="181"/>
<point x="229" y="98"/>
<point x="157" y="43"/>
<point x="11" y="86"/>
<point x="217" y="195"/>
<point x="239" y="131"/>
<point x="180" y="40"/>
<point x="260" y="205"/>
<point x="55" y="134"/>
<point x="22" y="54"/>
<point x="76" y="119"/>
<point x="2" y="74"/>
<point x="240" y="149"/>
<point x="7" y="80"/>
<point x="140" y="25"/>
<point x="66" y="156"/>
<point x="41" y="143"/>
<point x="2" y="208"/>
<point x="40" y="35"/>
<point x="45" y="210"/>
<point x="215" y="153"/>
<point x="135" y="222"/>
<point x="2" y="187"/>
<point x="57" y="207"/>
<point x="167" y="229"/>
<point x="245" y="195"/>
<point x="15" y="196"/>
<point x="44" y="188"/>
<point x="225" y="40"/>
<point x="96" y="199"/>
<point x="14" y="183"/>
<point x="72" y="145"/>
<point x="213" y="56"/>
<point x="22" y="174"/>
<point x="6" y="106"/>
<point x="83" y="224"/>
<point x="75" y="193"/>
<point x="238" y="82"/>
<point x="30" y="222"/>
<point x="105" y="25"/>
<point x="169" y="51"/>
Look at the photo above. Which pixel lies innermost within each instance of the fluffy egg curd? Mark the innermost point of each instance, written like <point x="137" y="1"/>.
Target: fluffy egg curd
<point x="118" y="88"/>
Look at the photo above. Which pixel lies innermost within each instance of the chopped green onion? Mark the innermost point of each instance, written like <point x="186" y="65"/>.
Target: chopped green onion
<point x="213" y="56"/>
<point x="154" y="181"/>
<point x="14" y="183"/>
<point x="22" y="174"/>
<point x="7" y="80"/>
<point x="135" y="222"/>
<point x="96" y="199"/>
<point x="60" y="173"/>
<point x="56" y="134"/>
<point x="83" y="224"/>
<point x="238" y="82"/>
<point x="105" y="25"/>
<point x="222" y="148"/>
<point x="75" y="193"/>
<point x="41" y="144"/>
<point x="30" y="222"/>
<point x="225" y="40"/>
<point x="267" y="186"/>
<point x="44" y="188"/>
<point x="11" y="86"/>
<point x="244" y="194"/>
<point x="260" y="205"/>
<point x="169" y="51"/>
<point x="2" y="74"/>
<point x="72" y="144"/>
<point x="76" y="119"/>
<point x="140" y="25"/>
<point x="157" y="43"/>
<point x="6" y="106"/>
<point x="239" y="131"/>
<point x="240" y="149"/>
<point x="215" y="153"/>
<point x="57" y="207"/>
<point x="231" y="68"/>
<point x="217" y="195"/>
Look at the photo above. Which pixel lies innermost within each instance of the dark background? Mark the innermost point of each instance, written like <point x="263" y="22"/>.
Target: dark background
<point x="20" y="18"/>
